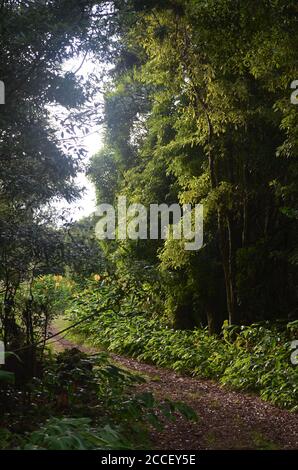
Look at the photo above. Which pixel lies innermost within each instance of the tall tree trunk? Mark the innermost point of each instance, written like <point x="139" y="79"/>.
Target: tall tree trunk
<point x="226" y="248"/>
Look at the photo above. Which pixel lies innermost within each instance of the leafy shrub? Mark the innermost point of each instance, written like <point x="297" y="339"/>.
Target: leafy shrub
<point x="83" y="402"/>
<point x="74" y="434"/>
<point x="107" y="409"/>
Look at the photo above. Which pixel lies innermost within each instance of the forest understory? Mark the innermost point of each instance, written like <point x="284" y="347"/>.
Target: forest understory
<point x="226" y="419"/>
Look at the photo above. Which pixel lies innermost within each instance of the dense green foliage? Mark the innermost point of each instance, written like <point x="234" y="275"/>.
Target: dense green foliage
<point x="83" y="403"/>
<point x="41" y="150"/>
<point x="252" y="358"/>
<point x="198" y="110"/>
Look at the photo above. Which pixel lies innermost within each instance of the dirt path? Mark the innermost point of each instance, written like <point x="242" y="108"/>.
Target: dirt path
<point x="227" y="419"/>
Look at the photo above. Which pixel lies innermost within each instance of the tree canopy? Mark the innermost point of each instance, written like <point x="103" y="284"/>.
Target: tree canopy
<point x="199" y="111"/>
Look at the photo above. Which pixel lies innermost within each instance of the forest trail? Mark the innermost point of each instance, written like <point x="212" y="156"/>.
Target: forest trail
<point x="226" y="419"/>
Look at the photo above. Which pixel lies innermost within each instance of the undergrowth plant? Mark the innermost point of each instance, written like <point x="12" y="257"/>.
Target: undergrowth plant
<point x="86" y="402"/>
<point x="253" y="358"/>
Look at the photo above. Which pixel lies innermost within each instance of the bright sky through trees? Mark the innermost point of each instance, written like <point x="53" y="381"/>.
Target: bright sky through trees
<point x="92" y="142"/>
